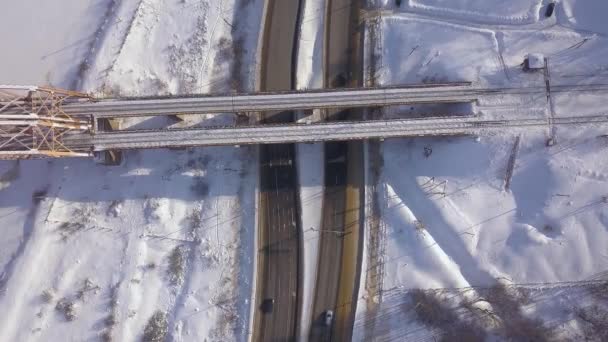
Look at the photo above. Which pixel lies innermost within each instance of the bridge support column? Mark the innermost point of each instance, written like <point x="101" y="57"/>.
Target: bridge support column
<point x="110" y="157"/>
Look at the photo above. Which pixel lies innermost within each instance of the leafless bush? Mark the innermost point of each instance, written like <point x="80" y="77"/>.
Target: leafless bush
<point x="177" y="265"/>
<point x="506" y="303"/>
<point x="78" y="221"/>
<point x="108" y="90"/>
<point x="157" y="328"/>
<point x="429" y="309"/>
<point x="224" y="50"/>
<point x="195" y="219"/>
<point x="600" y="291"/>
<point x="106" y="336"/>
<point x="419" y="225"/>
<point x="595" y="323"/>
<point x="67" y="308"/>
<point x="520" y="328"/>
<point x="114" y="208"/>
<point x="238" y="69"/>
<point x="69" y="228"/>
<point x="432" y="311"/>
<point x="151" y="207"/>
<point x="47" y="295"/>
<point x="86" y="288"/>
<point x="111" y="320"/>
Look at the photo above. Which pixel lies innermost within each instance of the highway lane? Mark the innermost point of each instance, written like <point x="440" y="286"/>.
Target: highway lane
<point x="279" y="221"/>
<point x="332" y="236"/>
<point x="337" y="271"/>
<point x="278" y="262"/>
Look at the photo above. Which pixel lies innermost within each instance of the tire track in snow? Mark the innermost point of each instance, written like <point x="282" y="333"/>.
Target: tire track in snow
<point x="101" y="37"/>
<point x="28" y="228"/>
<point x="102" y="56"/>
<point x="531" y="16"/>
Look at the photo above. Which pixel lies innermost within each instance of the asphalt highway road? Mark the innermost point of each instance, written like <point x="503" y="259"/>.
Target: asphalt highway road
<point x="337" y="277"/>
<point x="279" y="221"/>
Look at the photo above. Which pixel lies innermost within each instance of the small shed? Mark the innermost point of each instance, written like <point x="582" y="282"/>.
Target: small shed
<point x="534" y="61"/>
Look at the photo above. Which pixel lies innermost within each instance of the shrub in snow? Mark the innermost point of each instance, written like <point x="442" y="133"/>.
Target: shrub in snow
<point x="177" y="265"/>
<point x="151" y="207"/>
<point x="594" y="323"/>
<point x="86" y="288"/>
<point x="507" y="304"/>
<point x="106" y="336"/>
<point x="429" y="309"/>
<point x="435" y="313"/>
<point x="419" y="225"/>
<point x="195" y="218"/>
<point x="115" y="208"/>
<point x="47" y="295"/>
<point x="157" y="328"/>
<point x="67" y="308"/>
<point x="111" y="320"/>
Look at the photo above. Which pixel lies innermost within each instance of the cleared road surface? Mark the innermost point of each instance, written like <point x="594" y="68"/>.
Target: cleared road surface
<point x="337" y="278"/>
<point x="279" y="222"/>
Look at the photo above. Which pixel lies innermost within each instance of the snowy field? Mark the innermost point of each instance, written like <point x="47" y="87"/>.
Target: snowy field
<point x="450" y="225"/>
<point x="165" y="242"/>
<point x="162" y="243"/>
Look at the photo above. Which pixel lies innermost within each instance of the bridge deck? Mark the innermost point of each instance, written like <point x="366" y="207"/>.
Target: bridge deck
<point x="261" y="102"/>
<point x="303" y="133"/>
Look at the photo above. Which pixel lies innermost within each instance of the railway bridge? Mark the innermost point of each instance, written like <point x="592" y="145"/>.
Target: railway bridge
<point x="48" y="122"/>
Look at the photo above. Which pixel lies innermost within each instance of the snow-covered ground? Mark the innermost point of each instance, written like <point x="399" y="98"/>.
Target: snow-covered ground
<point x="166" y="240"/>
<point x="44" y="43"/>
<point x="163" y="241"/>
<point x="449" y="221"/>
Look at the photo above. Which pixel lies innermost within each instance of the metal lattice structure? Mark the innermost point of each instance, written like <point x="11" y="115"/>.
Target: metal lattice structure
<point x="32" y="122"/>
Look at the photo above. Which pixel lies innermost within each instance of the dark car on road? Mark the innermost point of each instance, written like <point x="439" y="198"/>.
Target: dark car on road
<point x="267" y="305"/>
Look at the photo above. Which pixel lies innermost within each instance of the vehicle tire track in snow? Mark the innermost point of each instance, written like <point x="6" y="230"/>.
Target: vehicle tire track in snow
<point x="35" y="253"/>
<point x="423" y="17"/>
<point x="28" y="228"/>
<point x="182" y="291"/>
<point x="131" y="297"/>
<point x="126" y="33"/>
<point x="531" y="16"/>
<point x="100" y="41"/>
